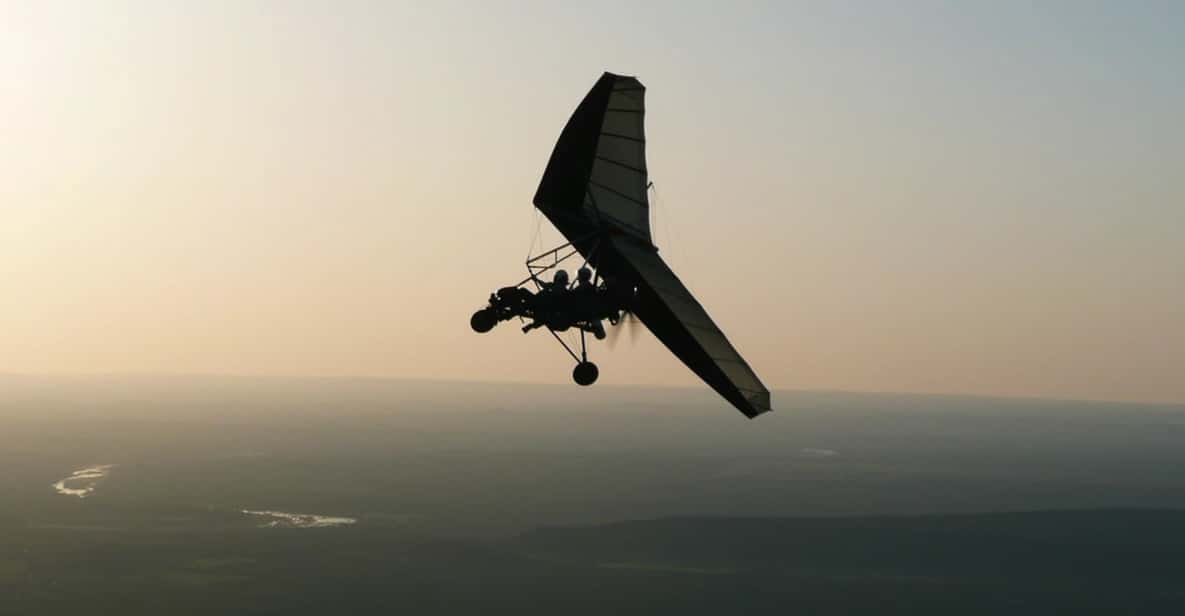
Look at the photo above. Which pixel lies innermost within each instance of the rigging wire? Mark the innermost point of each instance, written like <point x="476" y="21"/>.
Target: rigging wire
<point x="654" y="210"/>
<point x="537" y="223"/>
<point x="668" y="243"/>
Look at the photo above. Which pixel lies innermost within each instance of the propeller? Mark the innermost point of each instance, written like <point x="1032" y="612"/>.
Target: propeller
<point x="627" y="321"/>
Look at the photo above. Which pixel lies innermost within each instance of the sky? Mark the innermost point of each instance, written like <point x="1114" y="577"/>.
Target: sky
<point x="955" y="197"/>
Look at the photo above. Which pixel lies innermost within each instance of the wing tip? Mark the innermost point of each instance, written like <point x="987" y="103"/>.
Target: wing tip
<point x="622" y="77"/>
<point x="754" y="413"/>
<point x="757" y="404"/>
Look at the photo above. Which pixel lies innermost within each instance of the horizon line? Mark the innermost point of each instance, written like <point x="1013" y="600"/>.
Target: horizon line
<point x="443" y="380"/>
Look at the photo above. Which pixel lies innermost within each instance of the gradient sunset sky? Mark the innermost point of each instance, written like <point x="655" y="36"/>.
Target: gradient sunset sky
<point x="959" y="197"/>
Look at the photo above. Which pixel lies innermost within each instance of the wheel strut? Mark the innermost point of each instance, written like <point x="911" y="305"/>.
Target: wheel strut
<point x="585" y="372"/>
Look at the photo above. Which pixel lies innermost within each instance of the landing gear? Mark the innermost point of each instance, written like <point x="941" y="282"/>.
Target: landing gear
<point x="585" y="373"/>
<point x="483" y="320"/>
<point x="557" y="306"/>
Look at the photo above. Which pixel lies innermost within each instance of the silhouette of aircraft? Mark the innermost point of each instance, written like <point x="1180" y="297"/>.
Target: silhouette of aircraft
<point x="595" y="192"/>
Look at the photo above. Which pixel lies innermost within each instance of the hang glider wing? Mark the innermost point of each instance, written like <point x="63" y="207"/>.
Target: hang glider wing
<point x="596" y="178"/>
<point x="594" y="191"/>
<point x="675" y="317"/>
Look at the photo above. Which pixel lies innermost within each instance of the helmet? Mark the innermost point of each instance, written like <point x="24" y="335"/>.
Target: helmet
<point x="560" y="278"/>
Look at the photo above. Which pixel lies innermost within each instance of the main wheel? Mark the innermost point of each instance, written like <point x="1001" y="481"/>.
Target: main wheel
<point x="483" y="320"/>
<point x="585" y="373"/>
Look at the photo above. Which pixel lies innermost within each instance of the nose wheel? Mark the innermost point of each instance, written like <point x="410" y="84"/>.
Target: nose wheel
<point x="585" y="373"/>
<point x="483" y="320"/>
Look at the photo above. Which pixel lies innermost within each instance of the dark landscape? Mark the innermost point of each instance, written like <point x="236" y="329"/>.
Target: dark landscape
<point x="439" y="497"/>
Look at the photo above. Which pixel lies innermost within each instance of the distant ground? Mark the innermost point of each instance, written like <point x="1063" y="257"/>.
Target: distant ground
<point x="181" y="495"/>
<point x="1106" y="562"/>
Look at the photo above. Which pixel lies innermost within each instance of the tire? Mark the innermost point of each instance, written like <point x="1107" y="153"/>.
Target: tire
<point x="585" y="373"/>
<point x="483" y="321"/>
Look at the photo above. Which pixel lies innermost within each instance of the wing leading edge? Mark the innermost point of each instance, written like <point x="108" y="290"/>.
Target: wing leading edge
<point x="674" y="316"/>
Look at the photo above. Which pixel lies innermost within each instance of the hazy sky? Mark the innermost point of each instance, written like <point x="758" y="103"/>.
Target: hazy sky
<point x="950" y="197"/>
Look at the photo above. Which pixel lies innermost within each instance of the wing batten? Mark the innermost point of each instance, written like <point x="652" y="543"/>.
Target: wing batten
<point x="616" y="192"/>
<point x="616" y="136"/>
<point x="620" y="164"/>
